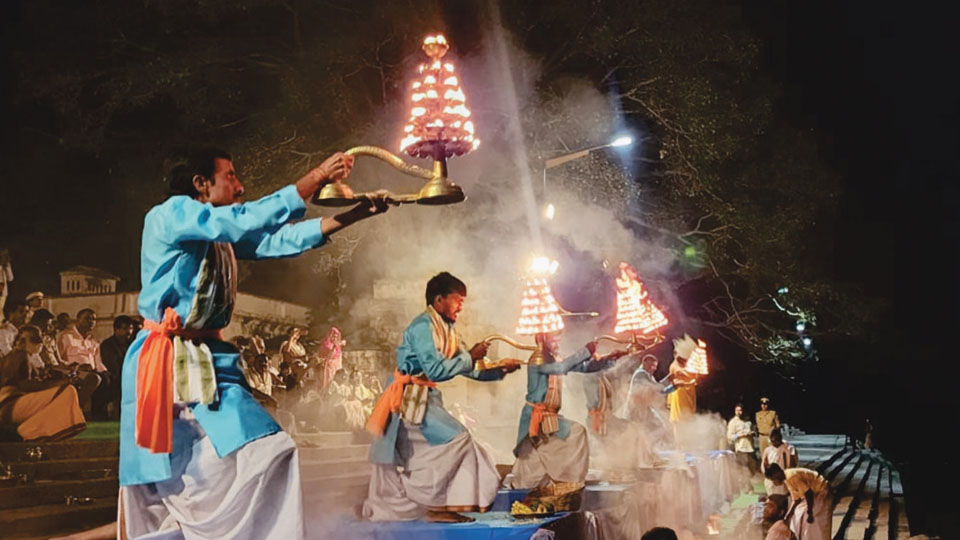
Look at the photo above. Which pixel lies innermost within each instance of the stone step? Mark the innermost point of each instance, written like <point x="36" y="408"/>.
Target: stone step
<point x="347" y="500"/>
<point x="324" y="469"/>
<point x="55" y="492"/>
<point x="834" y="470"/>
<point x="332" y="453"/>
<point x="849" y="499"/>
<point x="824" y="463"/>
<point x="329" y="438"/>
<point x="44" y="520"/>
<point x="860" y="523"/>
<point x="844" y="475"/>
<point x="884" y="516"/>
<point x="10" y="452"/>
<point x="334" y="484"/>
<point x="67" y="469"/>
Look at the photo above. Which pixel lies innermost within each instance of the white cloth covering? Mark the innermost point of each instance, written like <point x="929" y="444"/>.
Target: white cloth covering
<point x="252" y="494"/>
<point x="452" y="476"/>
<point x="560" y="460"/>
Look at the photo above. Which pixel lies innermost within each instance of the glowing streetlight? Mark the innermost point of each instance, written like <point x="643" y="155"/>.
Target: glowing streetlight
<point x="624" y="140"/>
<point x="801" y="326"/>
<point x="807" y="342"/>
<point x="620" y="141"/>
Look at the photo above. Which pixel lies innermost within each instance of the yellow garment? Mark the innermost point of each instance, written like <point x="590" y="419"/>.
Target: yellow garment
<point x="50" y="414"/>
<point x="682" y="402"/>
<point x="799" y="480"/>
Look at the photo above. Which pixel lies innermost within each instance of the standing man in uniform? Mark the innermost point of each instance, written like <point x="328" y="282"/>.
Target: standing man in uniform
<point x="767" y="421"/>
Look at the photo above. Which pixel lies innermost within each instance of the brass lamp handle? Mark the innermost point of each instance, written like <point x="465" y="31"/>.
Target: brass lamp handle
<point x="394" y="160"/>
<point x="509" y="341"/>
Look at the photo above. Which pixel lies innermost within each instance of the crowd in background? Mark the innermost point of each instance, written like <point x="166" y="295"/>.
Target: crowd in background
<point x="54" y="375"/>
<point x="306" y="386"/>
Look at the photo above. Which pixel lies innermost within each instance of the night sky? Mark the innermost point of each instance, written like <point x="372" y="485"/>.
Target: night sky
<point x="875" y="81"/>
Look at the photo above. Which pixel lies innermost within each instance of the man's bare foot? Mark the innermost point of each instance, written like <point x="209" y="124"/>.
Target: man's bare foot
<point x="443" y="516"/>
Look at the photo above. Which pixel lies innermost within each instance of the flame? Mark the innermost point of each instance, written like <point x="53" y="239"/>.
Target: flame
<point x="438" y="108"/>
<point x="539" y="312"/>
<point x="635" y="311"/>
<point x="697" y="363"/>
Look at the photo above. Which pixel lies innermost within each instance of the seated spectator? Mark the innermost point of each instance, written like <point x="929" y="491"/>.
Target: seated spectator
<point x="365" y="395"/>
<point x="137" y="325"/>
<point x="374" y="384"/>
<point x="40" y="410"/>
<point x="54" y="368"/>
<point x="345" y="402"/>
<point x="43" y="320"/>
<point x="63" y="322"/>
<point x="14" y="316"/>
<point x="106" y="400"/>
<point x="80" y="352"/>
<point x="34" y="302"/>
<point x="261" y="381"/>
<point x="76" y="344"/>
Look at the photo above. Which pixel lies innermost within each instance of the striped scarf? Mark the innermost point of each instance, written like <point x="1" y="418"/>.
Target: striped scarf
<point x="445" y="336"/>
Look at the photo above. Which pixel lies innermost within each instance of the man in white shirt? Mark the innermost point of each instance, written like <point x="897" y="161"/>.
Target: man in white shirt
<point x="740" y="436"/>
<point x="14" y="316"/>
<point x="777" y="457"/>
<point x="76" y="343"/>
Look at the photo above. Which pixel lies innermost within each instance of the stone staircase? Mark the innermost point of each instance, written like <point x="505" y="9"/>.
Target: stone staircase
<point x="334" y="470"/>
<point x="867" y="494"/>
<point x="54" y="488"/>
<point x="34" y="493"/>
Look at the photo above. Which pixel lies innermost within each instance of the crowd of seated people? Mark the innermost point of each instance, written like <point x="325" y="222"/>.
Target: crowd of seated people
<point x="292" y="385"/>
<point x="49" y="362"/>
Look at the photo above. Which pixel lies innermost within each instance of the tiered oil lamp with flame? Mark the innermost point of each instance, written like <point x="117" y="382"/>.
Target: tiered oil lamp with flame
<point x="697" y="363"/>
<point x="439" y="127"/>
<point x="637" y="315"/>
<point x="540" y="314"/>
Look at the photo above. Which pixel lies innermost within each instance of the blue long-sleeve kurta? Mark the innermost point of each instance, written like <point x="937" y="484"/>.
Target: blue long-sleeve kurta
<point x="418" y="355"/>
<point x="538" y="379"/>
<point x="187" y="263"/>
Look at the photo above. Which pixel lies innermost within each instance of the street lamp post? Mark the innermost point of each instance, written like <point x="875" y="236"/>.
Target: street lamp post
<point x="623" y="140"/>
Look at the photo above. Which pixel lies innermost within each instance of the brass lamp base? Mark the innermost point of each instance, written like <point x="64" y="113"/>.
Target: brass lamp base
<point x="438" y="190"/>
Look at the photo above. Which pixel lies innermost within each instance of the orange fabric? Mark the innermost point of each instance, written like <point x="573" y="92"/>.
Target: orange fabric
<point x="391" y="399"/>
<point x="598" y="421"/>
<point x="154" y="427"/>
<point x="540" y="410"/>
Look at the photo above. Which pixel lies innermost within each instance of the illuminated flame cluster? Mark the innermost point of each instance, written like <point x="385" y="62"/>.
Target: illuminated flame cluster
<point x="635" y="311"/>
<point x="439" y="124"/>
<point x="697" y="363"/>
<point x="539" y="312"/>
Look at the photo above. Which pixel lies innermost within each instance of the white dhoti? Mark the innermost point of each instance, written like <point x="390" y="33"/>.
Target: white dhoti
<point x="253" y="493"/>
<point x="559" y="460"/>
<point x="459" y="476"/>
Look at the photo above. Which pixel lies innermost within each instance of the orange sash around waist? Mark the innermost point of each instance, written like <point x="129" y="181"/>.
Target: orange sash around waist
<point x="391" y="399"/>
<point x="547" y="416"/>
<point x="154" y="428"/>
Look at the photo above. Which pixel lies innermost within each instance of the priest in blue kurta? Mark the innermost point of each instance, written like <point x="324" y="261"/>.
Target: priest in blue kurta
<point x="199" y="457"/>
<point x="551" y="448"/>
<point x="426" y="464"/>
